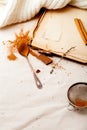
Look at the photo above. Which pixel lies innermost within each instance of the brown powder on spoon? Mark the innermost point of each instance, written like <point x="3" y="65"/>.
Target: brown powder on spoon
<point x="20" y="44"/>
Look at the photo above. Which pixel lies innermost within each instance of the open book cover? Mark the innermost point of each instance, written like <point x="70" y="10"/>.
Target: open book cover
<point x="57" y="33"/>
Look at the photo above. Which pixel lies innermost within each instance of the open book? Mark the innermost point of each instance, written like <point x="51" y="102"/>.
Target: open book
<point x="57" y="33"/>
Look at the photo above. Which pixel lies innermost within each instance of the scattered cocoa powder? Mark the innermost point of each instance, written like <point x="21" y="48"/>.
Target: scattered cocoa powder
<point x="20" y="40"/>
<point x="11" y="57"/>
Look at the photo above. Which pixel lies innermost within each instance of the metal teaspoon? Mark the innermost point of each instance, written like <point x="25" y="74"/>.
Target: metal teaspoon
<point x="23" y="50"/>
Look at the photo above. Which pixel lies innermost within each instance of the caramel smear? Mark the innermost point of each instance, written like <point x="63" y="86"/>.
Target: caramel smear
<point x="20" y="44"/>
<point x="80" y="102"/>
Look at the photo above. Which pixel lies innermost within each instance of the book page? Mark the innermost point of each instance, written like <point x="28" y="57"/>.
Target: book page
<point x="57" y="33"/>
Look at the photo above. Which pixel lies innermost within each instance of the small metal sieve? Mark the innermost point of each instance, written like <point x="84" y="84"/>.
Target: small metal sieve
<point x="77" y="95"/>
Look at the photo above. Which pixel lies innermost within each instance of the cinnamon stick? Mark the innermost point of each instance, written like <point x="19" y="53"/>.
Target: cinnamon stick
<point x="81" y="29"/>
<point x="41" y="57"/>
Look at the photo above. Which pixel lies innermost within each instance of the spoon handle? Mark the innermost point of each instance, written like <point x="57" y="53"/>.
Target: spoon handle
<point x="37" y="81"/>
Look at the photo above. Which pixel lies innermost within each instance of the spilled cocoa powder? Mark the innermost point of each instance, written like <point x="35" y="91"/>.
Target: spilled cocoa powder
<point x="21" y="44"/>
<point x="11" y="56"/>
<point x="22" y="39"/>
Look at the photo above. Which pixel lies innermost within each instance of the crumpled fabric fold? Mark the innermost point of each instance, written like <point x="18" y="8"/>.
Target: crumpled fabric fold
<point x="15" y="11"/>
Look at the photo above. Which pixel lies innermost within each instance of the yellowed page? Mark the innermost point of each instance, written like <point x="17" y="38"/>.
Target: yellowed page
<point x="58" y="33"/>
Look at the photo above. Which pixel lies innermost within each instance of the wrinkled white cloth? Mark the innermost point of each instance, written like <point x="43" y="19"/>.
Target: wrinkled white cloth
<point x="14" y="11"/>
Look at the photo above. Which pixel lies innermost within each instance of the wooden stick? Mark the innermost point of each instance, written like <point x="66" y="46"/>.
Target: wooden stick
<point x="41" y="57"/>
<point x="81" y="29"/>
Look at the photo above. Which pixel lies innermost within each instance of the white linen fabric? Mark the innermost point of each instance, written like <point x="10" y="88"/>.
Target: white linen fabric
<point x="14" y="11"/>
